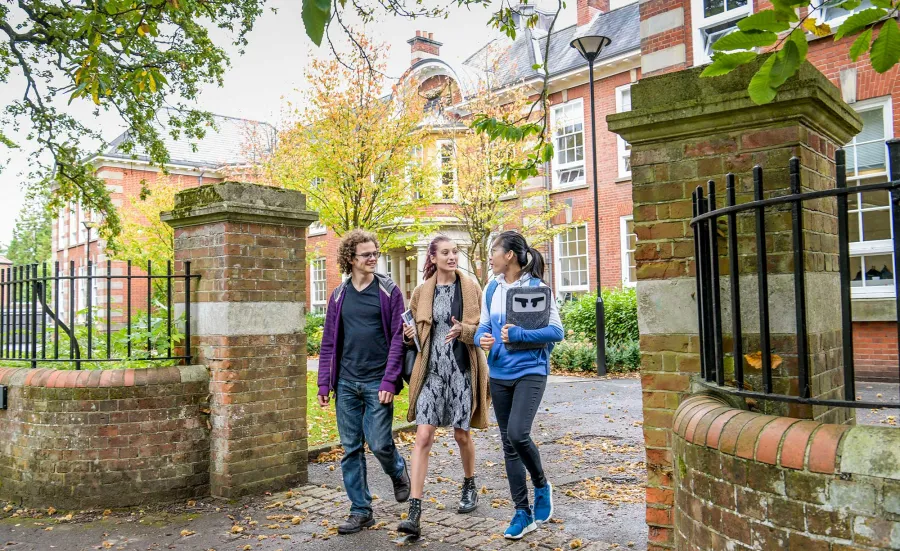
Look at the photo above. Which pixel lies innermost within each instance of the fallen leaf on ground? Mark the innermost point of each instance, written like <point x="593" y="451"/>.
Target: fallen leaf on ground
<point x="185" y="533"/>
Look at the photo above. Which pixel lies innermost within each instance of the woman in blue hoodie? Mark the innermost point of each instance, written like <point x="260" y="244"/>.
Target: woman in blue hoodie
<point x="518" y="377"/>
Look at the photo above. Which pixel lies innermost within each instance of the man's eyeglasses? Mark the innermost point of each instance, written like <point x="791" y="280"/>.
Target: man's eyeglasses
<point x="367" y="256"/>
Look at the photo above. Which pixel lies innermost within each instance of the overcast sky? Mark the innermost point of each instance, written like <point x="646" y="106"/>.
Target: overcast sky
<point x="269" y="72"/>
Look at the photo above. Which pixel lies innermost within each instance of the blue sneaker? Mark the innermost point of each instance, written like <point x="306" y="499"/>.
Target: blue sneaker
<point x="522" y="523"/>
<point x="543" y="503"/>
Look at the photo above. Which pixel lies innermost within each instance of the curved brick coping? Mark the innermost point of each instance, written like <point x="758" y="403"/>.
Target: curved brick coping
<point x="100" y="378"/>
<point x="745" y="480"/>
<point x="104" y="438"/>
<point x="789" y="443"/>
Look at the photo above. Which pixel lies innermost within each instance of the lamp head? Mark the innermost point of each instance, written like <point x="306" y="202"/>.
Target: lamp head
<point x="590" y="46"/>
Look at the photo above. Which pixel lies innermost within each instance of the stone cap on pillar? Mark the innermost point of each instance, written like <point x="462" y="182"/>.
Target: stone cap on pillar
<point x="681" y="105"/>
<point x="239" y="202"/>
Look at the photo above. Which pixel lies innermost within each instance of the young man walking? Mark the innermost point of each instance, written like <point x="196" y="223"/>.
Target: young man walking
<point x="360" y="361"/>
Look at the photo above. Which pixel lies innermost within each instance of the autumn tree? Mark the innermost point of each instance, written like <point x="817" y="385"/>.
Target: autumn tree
<point x="490" y="199"/>
<point x="354" y="151"/>
<point x="129" y="57"/>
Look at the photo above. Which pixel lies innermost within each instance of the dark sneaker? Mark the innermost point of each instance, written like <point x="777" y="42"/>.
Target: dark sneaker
<point x="469" y="499"/>
<point x="411" y="524"/>
<point x="401" y="486"/>
<point x="355" y="523"/>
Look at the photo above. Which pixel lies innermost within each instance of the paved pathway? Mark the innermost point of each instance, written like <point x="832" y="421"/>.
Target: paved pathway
<point x="591" y="441"/>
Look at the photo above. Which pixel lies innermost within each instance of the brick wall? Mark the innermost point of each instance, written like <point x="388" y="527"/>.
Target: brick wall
<point x="749" y="481"/>
<point x="875" y="351"/>
<point x="110" y="438"/>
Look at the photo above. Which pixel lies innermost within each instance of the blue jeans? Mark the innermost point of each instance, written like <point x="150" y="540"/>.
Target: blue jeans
<point x="361" y="418"/>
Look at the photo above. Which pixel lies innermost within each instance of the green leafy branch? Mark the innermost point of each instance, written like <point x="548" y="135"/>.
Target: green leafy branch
<point x="780" y="28"/>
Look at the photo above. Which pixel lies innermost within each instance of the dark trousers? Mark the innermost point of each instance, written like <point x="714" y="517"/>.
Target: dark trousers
<point x="515" y="404"/>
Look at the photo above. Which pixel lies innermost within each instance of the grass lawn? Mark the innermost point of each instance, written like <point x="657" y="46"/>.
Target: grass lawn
<point x="321" y="422"/>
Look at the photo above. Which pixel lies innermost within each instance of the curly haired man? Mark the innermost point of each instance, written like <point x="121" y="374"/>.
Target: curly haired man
<point x="360" y="362"/>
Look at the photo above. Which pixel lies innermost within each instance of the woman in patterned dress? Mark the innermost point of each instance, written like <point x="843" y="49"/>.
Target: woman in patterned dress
<point x="449" y="383"/>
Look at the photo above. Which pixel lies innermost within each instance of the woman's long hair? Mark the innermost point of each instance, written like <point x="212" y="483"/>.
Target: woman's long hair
<point x="430" y="267"/>
<point x="513" y="241"/>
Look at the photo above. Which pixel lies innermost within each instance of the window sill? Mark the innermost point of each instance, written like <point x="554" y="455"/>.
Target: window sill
<point x="569" y="188"/>
<point x="622" y="179"/>
<point x="874" y="309"/>
<point x="573" y="289"/>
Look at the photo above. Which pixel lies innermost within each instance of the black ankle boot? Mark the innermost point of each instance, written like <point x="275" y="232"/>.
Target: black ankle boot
<point x="411" y="524"/>
<point x="469" y="500"/>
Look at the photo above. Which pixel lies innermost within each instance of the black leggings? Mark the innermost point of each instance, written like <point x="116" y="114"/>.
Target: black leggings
<point x="515" y="404"/>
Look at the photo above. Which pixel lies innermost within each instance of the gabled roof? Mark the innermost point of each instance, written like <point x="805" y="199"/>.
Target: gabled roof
<point x="621" y="25"/>
<point x="4" y="260"/>
<point x="231" y="142"/>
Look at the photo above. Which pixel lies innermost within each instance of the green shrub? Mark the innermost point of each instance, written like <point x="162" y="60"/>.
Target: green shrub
<point x="315" y="325"/>
<point x="624" y="357"/>
<point x="620" y="307"/>
<point x="581" y="357"/>
<point x="575" y="356"/>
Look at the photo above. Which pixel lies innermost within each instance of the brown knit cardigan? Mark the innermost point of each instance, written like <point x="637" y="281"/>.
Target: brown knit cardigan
<point x="421" y="304"/>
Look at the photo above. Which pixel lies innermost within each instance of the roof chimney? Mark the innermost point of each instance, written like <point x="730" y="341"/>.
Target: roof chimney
<point x="423" y="46"/>
<point x="587" y="9"/>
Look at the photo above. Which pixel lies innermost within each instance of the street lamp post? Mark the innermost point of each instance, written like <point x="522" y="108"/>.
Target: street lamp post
<point x="589" y="47"/>
<point x="88" y="225"/>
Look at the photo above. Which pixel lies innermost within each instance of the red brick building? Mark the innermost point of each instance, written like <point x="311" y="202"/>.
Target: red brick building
<point x="225" y="149"/>
<point x="677" y="34"/>
<point x="447" y="84"/>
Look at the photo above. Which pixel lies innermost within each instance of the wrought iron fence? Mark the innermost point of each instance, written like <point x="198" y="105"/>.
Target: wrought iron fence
<point x="56" y="316"/>
<point x="707" y="233"/>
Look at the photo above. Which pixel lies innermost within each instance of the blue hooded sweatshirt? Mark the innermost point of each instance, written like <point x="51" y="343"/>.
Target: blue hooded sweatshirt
<point x="512" y="364"/>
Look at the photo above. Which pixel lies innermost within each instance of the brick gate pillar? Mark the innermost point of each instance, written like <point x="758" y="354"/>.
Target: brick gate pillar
<point x="248" y="245"/>
<point x="684" y="131"/>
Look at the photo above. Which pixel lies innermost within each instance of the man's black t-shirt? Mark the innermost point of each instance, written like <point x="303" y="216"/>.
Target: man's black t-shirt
<point x="365" y="348"/>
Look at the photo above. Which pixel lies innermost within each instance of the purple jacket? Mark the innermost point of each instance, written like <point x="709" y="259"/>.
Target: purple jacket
<point x="332" y="337"/>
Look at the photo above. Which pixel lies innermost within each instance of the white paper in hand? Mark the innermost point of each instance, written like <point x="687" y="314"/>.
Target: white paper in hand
<point x="409" y="320"/>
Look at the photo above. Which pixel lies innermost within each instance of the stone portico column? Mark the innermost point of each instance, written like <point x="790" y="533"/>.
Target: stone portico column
<point x="421" y="255"/>
<point x="685" y="130"/>
<point x="247" y="243"/>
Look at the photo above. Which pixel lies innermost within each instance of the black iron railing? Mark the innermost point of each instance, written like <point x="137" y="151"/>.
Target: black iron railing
<point x="707" y="234"/>
<point x="55" y="317"/>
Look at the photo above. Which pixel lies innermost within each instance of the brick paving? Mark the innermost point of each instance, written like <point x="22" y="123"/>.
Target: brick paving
<point x="591" y="441"/>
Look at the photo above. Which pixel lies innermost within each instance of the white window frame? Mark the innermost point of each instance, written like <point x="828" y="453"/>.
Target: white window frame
<point x="623" y="151"/>
<point x="388" y="265"/>
<point x="558" y="258"/>
<point x="82" y="231"/>
<point x="73" y="224"/>
<point x="835" y="21"/>
<point x="701" y="24"/>
<point x="62" y="232"/>
<point x="318" y="305"/>
<point x="558" y="168"/>
<point x="626" y="266"/>
<point x="317" y="228"/>
<point x="439" y="156"/>
<point x="883" y="246"/>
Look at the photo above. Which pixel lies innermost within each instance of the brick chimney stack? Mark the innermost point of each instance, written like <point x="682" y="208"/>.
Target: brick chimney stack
<point x="424" y="46"/>
<point x="587" y="9"/>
